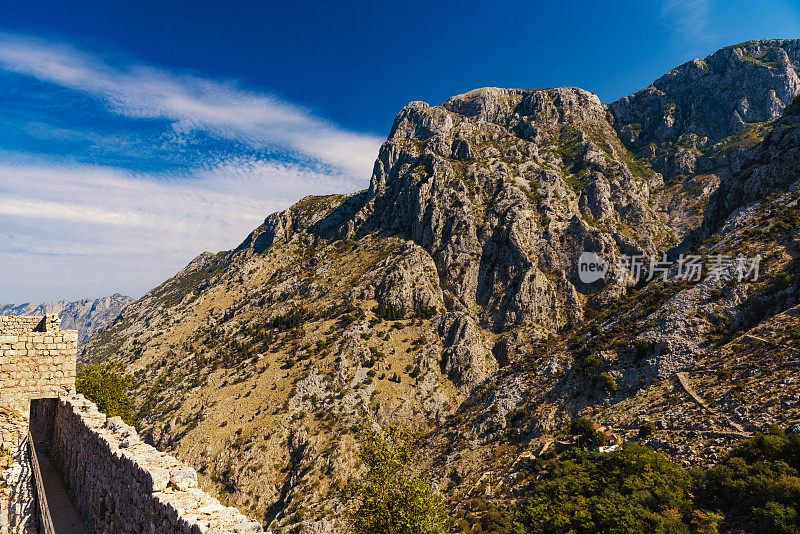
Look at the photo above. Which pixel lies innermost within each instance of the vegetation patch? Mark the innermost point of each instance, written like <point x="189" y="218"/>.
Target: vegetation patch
<point x="390" y="498"/>
<point x="108" y="387"/>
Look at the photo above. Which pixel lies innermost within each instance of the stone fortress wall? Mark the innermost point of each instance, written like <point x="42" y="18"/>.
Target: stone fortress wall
<point x="117" y="483"/>
<point x="120" y="484"/>
<point x="17" y="498"/>
<point x="37" y="360"/>
<point x="13" y="324"/>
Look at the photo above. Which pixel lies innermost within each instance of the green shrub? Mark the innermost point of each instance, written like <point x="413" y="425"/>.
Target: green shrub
<point x="294" y="318"/>
<point x="760" y="480"/>
<point x="587" y="435"/>
<point x="347" y="319"/>
<point x="390" y="499"/>
<point x="724" y="374"/>
<point x="608" y="382"/>
<point x="389" y="312"/>
<point x="106" y="386"/>
<point x="633" y="489"/>
<point x="647" y="429"/>
<point x="591" y="363"/>
<point x="425" y="312"/>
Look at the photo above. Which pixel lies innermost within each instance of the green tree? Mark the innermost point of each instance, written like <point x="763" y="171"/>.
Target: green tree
<point x="631" y="490"/>
<point x="390" y="498"/>
<point x="106" y="386"/>
<point x="587" y="435"/>
<point x="647" y="429"/>
<point x="705" y="522"/>
<point x="758" y="481"/>
<point x="608" y="382"/>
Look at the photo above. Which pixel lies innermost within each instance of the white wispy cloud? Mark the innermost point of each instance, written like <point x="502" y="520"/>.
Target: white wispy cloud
<point x="84" y="223"/>
<point x="220" y="108"/>
<point x="71" y="227"/>
<point x="688" y="18"/>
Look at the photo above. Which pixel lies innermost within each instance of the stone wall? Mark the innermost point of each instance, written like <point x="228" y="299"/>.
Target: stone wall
<point x="14" y="324"/>
<point x="117" y="482"/>
<point x="17" y="500"/>
<point x="37" y="360"/>
<point x="19" y="324"/>
<point x="120" y="484"/>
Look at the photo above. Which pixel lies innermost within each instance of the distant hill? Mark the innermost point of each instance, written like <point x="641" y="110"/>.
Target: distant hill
<point x="86" y="316"/>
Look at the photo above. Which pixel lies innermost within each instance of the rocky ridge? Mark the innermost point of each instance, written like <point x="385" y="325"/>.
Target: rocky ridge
<point x="491" y="182"/>
<point x="699" y="123"/>
<point x="446" y="296"/>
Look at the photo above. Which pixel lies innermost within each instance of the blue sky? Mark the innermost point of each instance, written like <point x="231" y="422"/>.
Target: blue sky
<point x="135" y="135"/>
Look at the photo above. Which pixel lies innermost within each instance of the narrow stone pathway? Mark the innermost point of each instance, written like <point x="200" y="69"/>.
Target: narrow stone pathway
<point x="683" y="380"/>
<point x="767" y="341"/>
<point x="65" y="518"/>
<point x="786" y="361"/>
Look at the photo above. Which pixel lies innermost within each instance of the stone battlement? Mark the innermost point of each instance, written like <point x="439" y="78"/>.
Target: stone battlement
<point x="19" y="324"/>
<point x="120" y="484"/>
<point x="116" y="482"/>
<point x="37" y="360"/>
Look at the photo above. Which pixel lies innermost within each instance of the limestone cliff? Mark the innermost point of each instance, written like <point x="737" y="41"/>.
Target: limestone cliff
<point x="504" y="189"/>
<point x="446" y="296"/>
<point x="699" y="123"/>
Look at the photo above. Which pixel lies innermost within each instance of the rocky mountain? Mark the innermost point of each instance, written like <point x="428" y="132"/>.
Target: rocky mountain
<point x="86" y="316"/>
<point x="448" y="296"/>
<point x="698" y="124"/>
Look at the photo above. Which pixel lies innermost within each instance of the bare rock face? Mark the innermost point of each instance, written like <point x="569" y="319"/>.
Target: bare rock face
<point x="505" y="189"/>
<point x="408" y="283"/>
<point x="289" y="222"/>
<point x="773" y="167"/>
<point x="466" y="358"/>
<point x="698" y="124"/>
<point x="706" y="100"/>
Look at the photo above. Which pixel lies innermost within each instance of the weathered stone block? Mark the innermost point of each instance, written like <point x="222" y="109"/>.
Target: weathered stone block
<point x="183" y="478"/>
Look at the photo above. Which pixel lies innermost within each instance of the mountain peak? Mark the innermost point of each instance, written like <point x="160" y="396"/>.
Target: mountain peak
<point x="713" y="97"/>
<point x="449" y="296"/>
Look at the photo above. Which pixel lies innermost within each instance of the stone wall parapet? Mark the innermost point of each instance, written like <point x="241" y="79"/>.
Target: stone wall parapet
<point x="121" y="484"/>
<point x="20" y="324"/>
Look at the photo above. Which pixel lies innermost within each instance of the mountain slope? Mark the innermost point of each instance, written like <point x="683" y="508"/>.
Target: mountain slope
<point x="490" y="182"/>
<point x="446" y="297"/>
